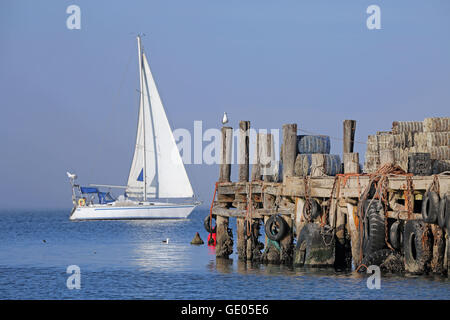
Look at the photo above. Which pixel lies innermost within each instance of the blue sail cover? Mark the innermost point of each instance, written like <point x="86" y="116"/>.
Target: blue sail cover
<point x="88" y="190"/>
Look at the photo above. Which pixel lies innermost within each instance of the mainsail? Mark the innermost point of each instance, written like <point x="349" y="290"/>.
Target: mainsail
<point x="157" y="161"/>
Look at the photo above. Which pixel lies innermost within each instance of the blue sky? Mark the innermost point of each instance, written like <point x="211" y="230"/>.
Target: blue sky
<point x="69" y="101"/>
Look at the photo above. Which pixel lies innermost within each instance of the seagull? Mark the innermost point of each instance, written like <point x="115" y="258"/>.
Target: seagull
<point x="71" y="175"/>
<point x="166" y="241"/>
<point x="225" y="118"/>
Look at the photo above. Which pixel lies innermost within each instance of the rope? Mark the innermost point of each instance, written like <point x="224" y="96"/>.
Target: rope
<point x="248" y="215"/>
<point x="210" y="209"/>
<point x="380" y="179"/>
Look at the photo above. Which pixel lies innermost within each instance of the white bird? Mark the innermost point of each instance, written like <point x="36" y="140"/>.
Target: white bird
<point x="225" y="118"/>
<point x="72" y="176"/>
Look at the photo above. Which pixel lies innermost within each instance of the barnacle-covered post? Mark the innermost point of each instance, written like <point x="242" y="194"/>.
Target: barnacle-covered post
<point x="224" y="243"/>
<point x="289" y="154"/>
<point x="240" y="198"/>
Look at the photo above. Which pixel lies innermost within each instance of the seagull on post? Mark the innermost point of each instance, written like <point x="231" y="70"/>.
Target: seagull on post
<point x="225" y="118"/>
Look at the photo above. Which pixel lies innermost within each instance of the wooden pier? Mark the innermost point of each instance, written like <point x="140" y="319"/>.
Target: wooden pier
<point x="320" y="220"/>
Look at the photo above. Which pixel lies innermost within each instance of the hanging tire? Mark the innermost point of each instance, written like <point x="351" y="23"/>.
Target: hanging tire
<point x="430" y="207"/>
<point x="207" y="224"/>
<point x="315" y="209"/>
<point x="276" y="228"/>
<point x="396" y="235"/>
<point x="374" y="229"/>
<point x="416" y="247"/>
<point x="444" y="206"/>
<point x="315" y="246"/>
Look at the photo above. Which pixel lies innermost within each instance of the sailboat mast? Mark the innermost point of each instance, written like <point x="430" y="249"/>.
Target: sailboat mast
<point x="141" y="103"/>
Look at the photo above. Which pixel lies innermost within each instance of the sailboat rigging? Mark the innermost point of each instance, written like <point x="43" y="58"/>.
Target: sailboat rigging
<point x="157" y="170"/>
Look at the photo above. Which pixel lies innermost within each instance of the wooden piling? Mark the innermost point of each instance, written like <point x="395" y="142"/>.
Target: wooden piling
<point x="226" y="152"/>
<point x="224" y="239"/>
<point x="241" y="200"/>
<point x="256" y="166"/>
<point x="286" y="252"/>
<point x="265" y="156"/>
<point x="349" y="135"/>
<point x="289" y="149"/>
<point x="351" y="162"/>
<point x="243" y="158"/>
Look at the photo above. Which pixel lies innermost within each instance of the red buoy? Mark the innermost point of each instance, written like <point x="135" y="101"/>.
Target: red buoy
<point x="213" y="242"/>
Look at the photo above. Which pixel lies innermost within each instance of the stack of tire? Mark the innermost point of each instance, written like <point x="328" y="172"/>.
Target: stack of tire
<point x="412" y="238"/>
<point x="315" y="144"/>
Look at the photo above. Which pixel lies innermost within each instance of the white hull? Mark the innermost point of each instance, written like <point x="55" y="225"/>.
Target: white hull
<point x="145" y="211"/>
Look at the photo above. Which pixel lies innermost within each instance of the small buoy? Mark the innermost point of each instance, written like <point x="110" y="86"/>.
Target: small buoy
<point x="197" y="240"/>
<point x="212" y="240"/>
<point x="166" y="241"/>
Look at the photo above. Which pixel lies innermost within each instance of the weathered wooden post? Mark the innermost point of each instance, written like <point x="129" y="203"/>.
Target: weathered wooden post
<point x="256" y="168"/>
<point x="243" y="157"/>
<point x="224" y="240"/>
<point x="351" y="162"/>
<point x="265" y="156"/>
<point x="286" y="253"/>
<point x="289" y="153"/>
<point x="243" y="163"/>
<point x="226" y="152"/>
<point x="289" y="149"/>
<point x="349" y="135"/>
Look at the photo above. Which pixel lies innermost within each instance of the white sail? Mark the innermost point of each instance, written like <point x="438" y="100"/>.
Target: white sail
<point x="144" y="141"/>
<point x="173" y="181"/>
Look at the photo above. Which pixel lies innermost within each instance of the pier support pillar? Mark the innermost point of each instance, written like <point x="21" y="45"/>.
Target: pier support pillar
<point x="289" y="149"/>
<point x="287" y="249"/>
<point x="224" y="236"/>
<point x="243" y="163"/>
<point x="256" y="166"/>
<point x="226" y="152"/>
<point x="351" y="162"/>
<point x="349" y="136"/>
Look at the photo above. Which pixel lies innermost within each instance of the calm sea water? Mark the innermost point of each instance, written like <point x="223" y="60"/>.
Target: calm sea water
<point x="128" y="260"/>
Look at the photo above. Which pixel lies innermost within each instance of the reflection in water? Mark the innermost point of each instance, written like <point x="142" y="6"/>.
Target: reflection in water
<point x="224" y="265"/>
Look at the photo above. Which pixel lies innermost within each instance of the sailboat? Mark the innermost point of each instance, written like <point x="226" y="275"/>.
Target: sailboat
<point x="157" y="170"/>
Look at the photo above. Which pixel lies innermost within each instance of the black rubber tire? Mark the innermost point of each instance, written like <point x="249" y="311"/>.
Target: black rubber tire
<point x="311" y="238"/>
<point x="417" y="251"/>
<point x="396" y="235"/>
<point x="276" y="228"/>
<point x="430" y="207"/>
<point x="374" y="259"/>
<point x="374" y="229"/>
<point x="444" y="206"/>
<point x="316" y="209"/>
<point x="207" y="224"/>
